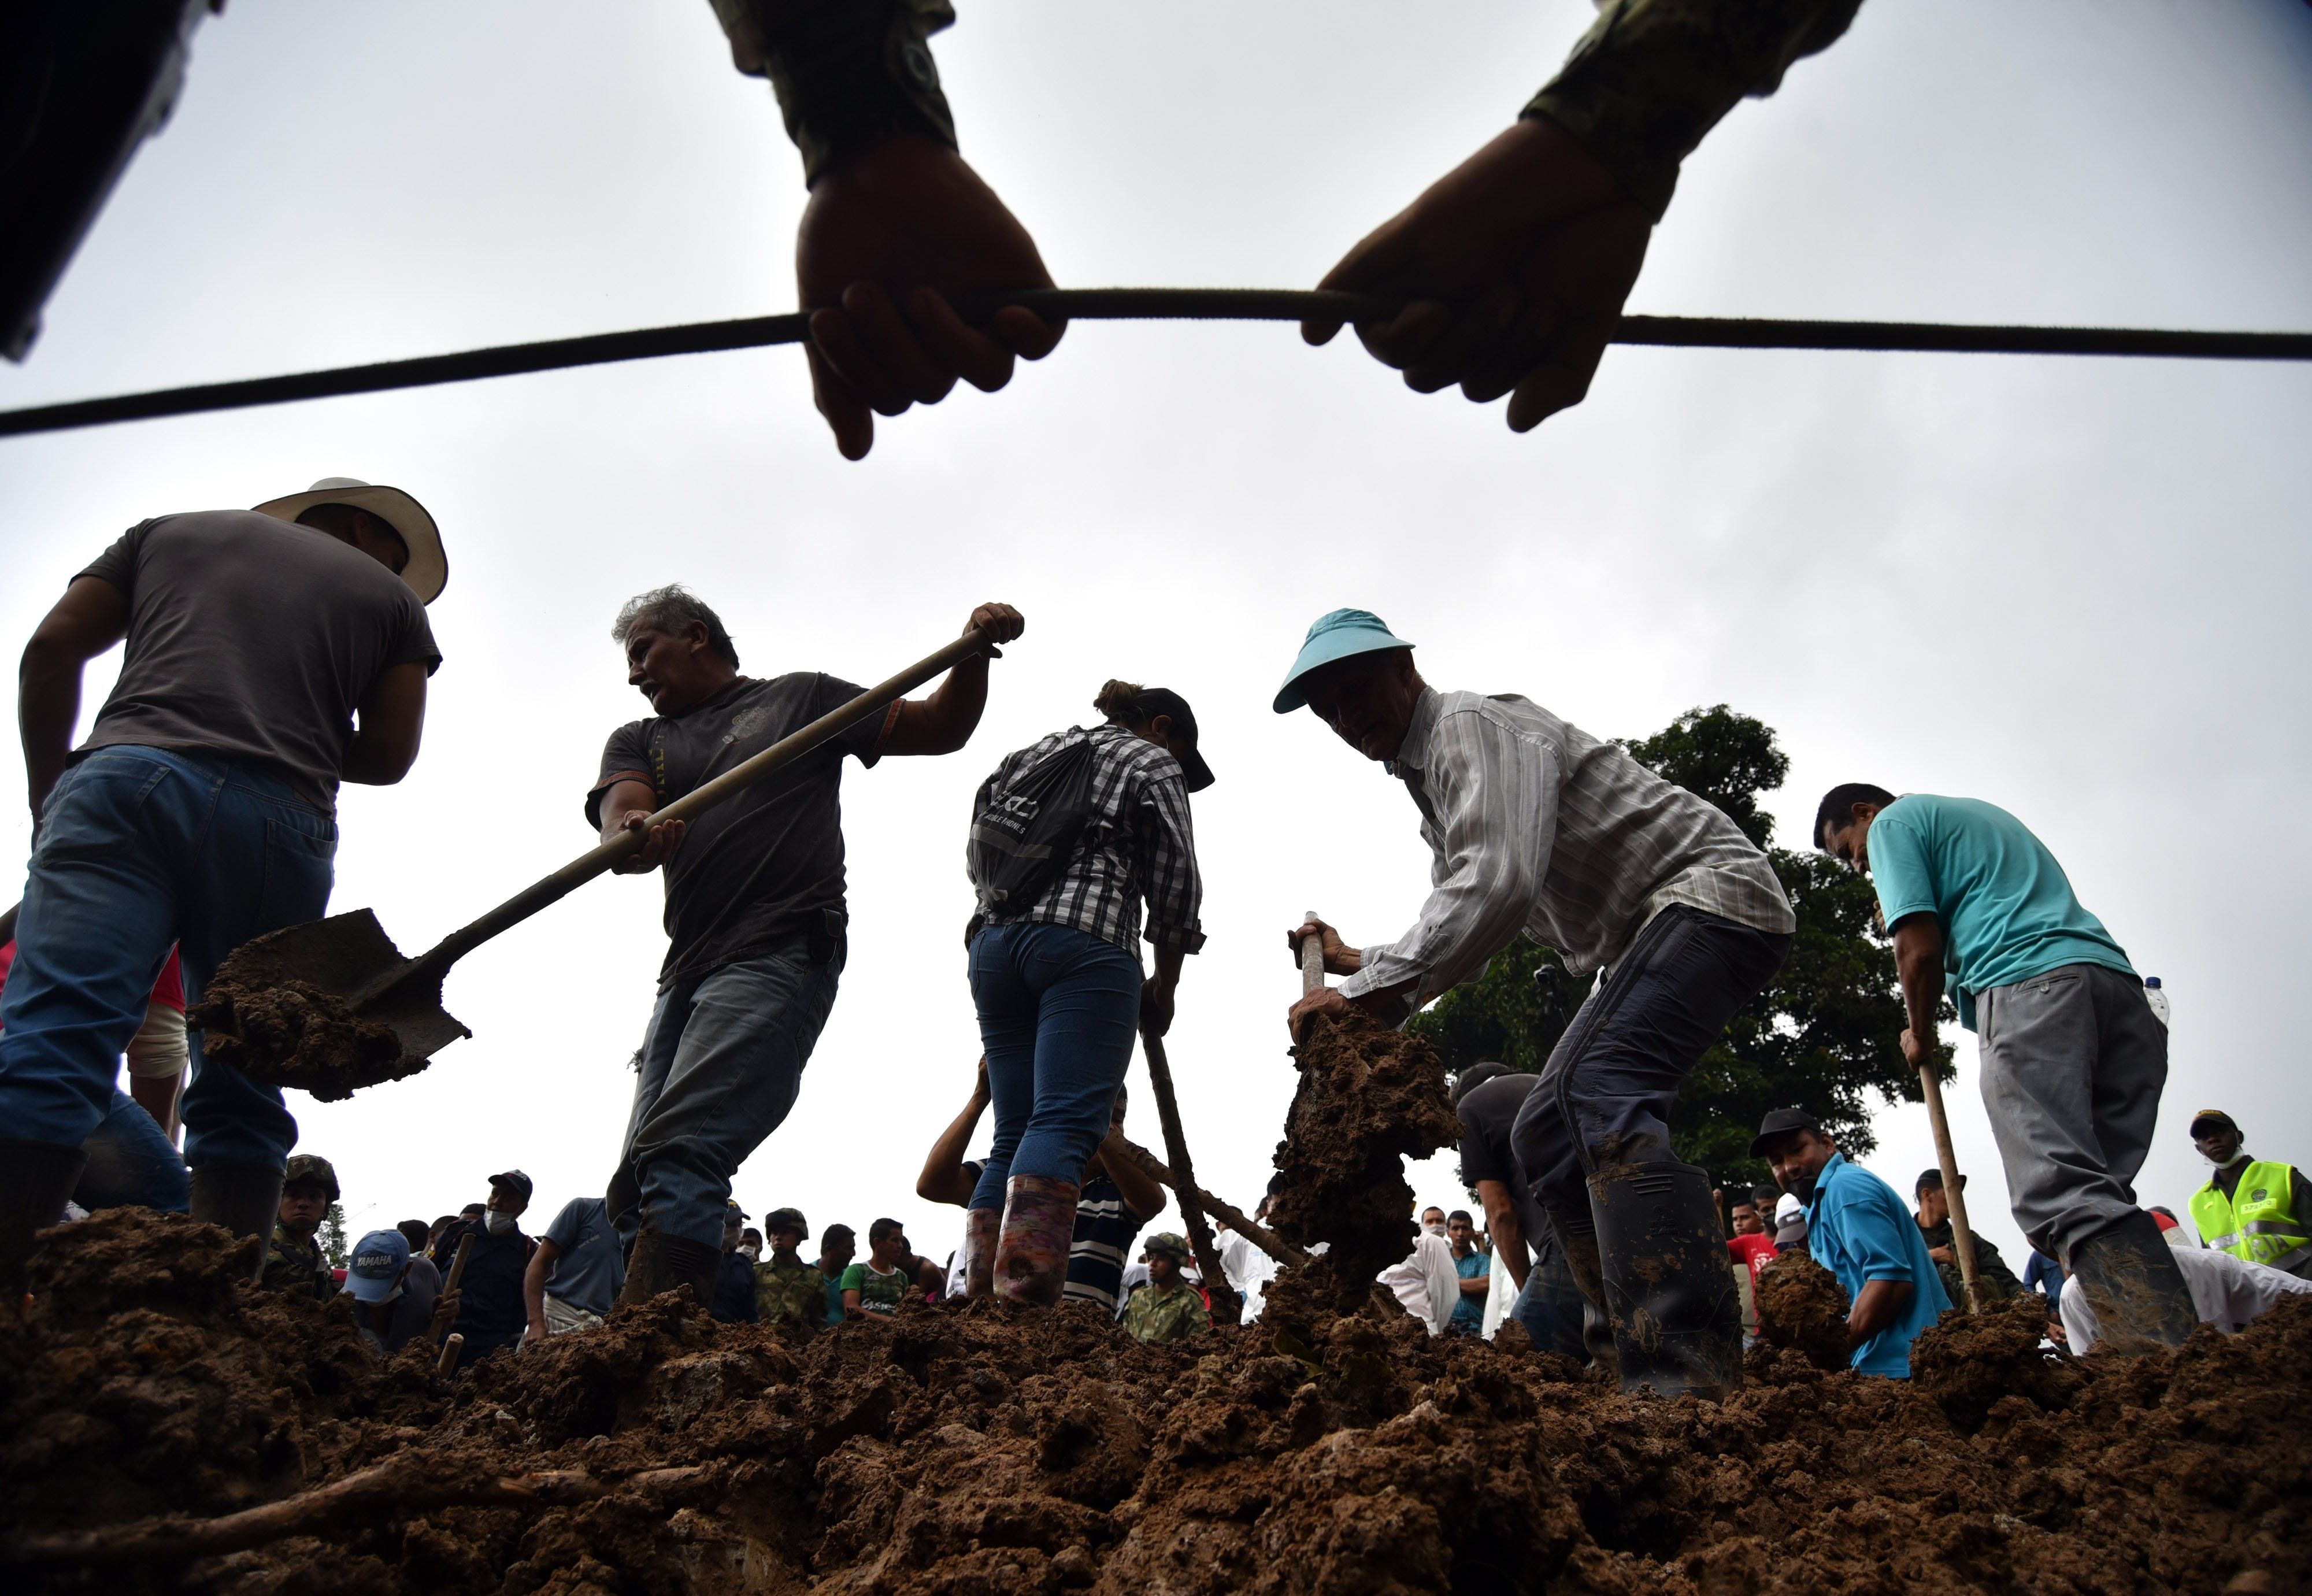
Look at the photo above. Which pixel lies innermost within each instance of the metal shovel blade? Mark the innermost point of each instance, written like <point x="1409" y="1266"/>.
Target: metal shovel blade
<point x="327" y="1007"/>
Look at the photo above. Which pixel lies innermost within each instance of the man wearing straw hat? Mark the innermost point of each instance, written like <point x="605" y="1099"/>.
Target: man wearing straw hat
<point x="1536" y="826"/>
<point x="270" y="654"/>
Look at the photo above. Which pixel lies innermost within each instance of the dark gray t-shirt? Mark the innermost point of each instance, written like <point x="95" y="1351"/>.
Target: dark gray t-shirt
<point x="765" y="865"/>
<point x="590" y="1272"/>
<point x="1487" y="1114"/>
<point x="252" y="640"/>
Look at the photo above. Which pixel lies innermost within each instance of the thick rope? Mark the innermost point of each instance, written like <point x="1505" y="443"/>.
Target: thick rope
<point x="1098" y="304"/>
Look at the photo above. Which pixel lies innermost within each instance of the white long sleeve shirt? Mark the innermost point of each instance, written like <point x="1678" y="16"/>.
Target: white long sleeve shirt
<point x="2227" y="1293"/>
<point x="1535" y="826"/>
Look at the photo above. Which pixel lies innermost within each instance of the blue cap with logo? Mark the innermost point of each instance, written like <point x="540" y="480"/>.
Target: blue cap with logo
<point x="1338" y="635"/>
<point x="377" y="1260"/>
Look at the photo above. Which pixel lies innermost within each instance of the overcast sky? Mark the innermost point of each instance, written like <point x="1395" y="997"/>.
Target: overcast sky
<point x="2073" y="588"/>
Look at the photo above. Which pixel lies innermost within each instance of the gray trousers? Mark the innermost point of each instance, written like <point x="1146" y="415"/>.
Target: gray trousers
<point x="2073" y="1062"/>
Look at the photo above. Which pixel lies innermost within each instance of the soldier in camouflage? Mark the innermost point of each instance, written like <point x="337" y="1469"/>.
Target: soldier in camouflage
<point x="1167" y="1308"/>
<point x="789" y="1289"/>
<point x="293" y="1261"/>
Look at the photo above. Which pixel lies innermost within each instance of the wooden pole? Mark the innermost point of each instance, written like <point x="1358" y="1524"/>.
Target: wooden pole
<point x="1228" y="1308"/>
<point x="1962" y="1233"/>
<point x="1313" y="959"/>
<point x="1259" y="1234"/>
<point x="451" y="1345"/>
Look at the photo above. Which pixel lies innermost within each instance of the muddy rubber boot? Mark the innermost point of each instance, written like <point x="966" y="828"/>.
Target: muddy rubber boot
<point x="1670" y="1290"/>
<point x="1581" y="1248"/>
<point x="981" y="1226"/>
<point x="1031" y="1250"/>
<point x="664" y="1263"/>
<point x="243" y="1197"/>
<point x="35" y="1181"/>
<point x="2129" y="1275"/>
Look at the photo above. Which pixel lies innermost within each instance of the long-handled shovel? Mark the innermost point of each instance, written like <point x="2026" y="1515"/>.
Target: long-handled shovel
<point x="1962" y="1233"/>
<point x="1227" y="1307"/>
<point x="331" y="1006"/>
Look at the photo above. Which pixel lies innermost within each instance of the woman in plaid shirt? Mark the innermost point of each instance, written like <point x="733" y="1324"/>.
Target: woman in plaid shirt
<point x="1058" y="986"/>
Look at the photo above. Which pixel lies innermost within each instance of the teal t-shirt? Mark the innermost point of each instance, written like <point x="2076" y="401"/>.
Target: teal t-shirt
<point x="1859" y="1230"/>
<point x="2006" y="906"/>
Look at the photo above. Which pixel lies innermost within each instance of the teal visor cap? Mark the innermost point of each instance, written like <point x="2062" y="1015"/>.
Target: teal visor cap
<point x="1335" y="636"/>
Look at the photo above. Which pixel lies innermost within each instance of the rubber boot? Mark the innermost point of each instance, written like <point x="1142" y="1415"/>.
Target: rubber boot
<point x="663" y="1263"/>
<point x="1581" y="1248"/>
<point x="1031" y="1250"/>
<point x="243" y="1197"/>
<point x="1670" y="1290"/>
<point x="2129" y="1275"/>
<point x="35" y="1181"/>
<point x="981" y="1226"/>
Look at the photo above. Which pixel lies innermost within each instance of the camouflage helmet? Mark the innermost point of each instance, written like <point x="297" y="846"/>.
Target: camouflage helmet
<point x="310" y="1169"/>
<point x="1168" y="1244"/>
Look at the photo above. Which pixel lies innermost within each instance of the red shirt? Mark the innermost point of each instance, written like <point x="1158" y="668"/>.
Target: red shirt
<point x="169" y="991"/>
<point x="1752" y="1250"/>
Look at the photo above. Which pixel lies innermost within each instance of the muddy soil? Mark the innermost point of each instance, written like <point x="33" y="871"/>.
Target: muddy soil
<point x="293" y="1033"/>
<point x="1802" y="1307"/>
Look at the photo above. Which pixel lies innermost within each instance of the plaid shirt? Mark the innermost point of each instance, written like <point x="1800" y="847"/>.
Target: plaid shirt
<point x="1136" y="844"/>
<point x="1536" y="826"/>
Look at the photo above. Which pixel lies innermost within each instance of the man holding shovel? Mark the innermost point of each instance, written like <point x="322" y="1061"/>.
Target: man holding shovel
<point x="270" y="654"/>
<point x="755" y="909"/>
<point x="1538" y="826"/>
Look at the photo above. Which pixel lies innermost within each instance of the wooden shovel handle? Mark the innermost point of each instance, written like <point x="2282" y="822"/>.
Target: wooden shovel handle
<point x="1313" y="959"/>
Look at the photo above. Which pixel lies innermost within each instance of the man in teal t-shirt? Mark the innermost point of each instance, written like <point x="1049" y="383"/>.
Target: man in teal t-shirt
<point x="2074" y="1060"/>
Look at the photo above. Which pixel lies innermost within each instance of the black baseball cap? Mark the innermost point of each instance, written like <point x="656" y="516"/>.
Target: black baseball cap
<point x="1934" y="1178"/>
<point x="1153" y="702"/>
<point x="2213" y="1119"/>
<point x="513" y="1179"/>
<point x="1779" y="1123"/>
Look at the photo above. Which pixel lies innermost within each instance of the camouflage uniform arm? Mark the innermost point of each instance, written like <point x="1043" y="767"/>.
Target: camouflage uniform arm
<point x="1654" y="76"/>
<point x="849" y="74"/>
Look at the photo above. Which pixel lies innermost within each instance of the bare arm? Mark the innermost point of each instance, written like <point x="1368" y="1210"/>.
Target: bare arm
<point x="390" y="721"/>
<point x="1919" y="958"/>
<point x="944" y="722"/>
<point x="534" y="1285"/>
<point x="851" y="1308"/>
<point x="624" y="807"/>
<point x="1880" y="1304"/>
<point x="944" y="1178"/>
<point x="1141" y="1194"/>
<point x="90" y="617"/>
<point x="1509" y="1236"/>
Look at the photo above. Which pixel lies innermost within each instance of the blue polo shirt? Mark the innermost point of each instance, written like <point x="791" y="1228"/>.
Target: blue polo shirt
<point x="2007" y="908"/>
<point x="1859" y="1230"/>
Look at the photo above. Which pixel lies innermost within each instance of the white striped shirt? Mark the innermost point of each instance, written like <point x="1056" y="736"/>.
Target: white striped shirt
<point x="1536" y="826"/>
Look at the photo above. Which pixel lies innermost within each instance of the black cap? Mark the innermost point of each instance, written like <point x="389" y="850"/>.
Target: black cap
<point x="1934" y="1177"/>
<point x="1155" y="701"/>
<point x="1781" y="1122"/>
<point x="515" y="1179"/>
<point x="2214" y="1119"/>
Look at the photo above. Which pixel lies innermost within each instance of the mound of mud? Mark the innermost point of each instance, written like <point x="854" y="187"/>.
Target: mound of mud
<point x="965" y="1449"/>
<point x="293" y="1033"/>
<point x="1370" y="1097"/>
<point x="1802" y="1308"/>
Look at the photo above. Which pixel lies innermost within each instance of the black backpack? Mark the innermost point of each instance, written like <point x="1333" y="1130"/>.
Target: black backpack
<point x="1025" y="831"/>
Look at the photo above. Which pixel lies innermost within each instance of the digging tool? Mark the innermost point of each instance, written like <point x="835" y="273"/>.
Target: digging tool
<point x="1227" y="1306"/>
<point x="1962" y="1233"/>
<point x="1312" y="958"/>
<point x="358" y="1013"/>
<point x="451" y="1345"/>
<point x="1259" y="1234"/>
<point x="456" y="1273"/>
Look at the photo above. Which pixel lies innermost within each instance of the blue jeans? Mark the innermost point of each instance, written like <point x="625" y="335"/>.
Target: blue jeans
<point x="1605" y="1094"/>
<point x="137" y="849"/>
<point x="1058" y="1011"/>
<point x="720" y="1068"/>
<point x="1550" y="1306"/>
<point x="131" y="1163"/>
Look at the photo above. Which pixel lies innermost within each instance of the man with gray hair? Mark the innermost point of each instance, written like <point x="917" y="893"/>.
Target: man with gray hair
<point x="755" y="911"/>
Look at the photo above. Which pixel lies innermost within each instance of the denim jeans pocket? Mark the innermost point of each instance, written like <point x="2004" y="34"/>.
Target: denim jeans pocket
<point x="96" y="809"/>
<point x="299" y="868"/>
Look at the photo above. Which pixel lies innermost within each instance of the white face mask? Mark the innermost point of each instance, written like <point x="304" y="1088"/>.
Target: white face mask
<point x="500" y="1224"/>
<point x="1434" y="1230"/>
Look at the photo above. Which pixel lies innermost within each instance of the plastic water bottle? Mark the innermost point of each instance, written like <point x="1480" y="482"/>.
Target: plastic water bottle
<point x="2156" y="995"/>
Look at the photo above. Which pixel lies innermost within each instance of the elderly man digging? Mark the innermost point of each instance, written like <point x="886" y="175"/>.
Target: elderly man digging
<point x="755" y="909"/>
<point x="271" y="654"/>
<point x="1536" y="826"/>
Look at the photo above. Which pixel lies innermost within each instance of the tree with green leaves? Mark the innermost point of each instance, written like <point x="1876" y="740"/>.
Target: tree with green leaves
<point x="1824" y="1035"/>
<point x="331" y="1235"/>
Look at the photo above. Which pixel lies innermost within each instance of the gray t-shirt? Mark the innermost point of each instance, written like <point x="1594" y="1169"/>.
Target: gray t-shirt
<point x="590" y="1272"/>
<point x="765" y="865"/>
<point x="252" y="640"/>
<point x="1487" y="1113"/>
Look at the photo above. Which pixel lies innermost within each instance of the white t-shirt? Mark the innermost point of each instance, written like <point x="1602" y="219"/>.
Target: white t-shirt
<point x="1248" y="1269"/>
<point x="1427" y="1283"/>
<point x="2227" y="1293"/>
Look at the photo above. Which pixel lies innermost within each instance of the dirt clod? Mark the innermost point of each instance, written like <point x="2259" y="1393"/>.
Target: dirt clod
<point x="1802" y="1307"/>
<point x="293" y="1033"/>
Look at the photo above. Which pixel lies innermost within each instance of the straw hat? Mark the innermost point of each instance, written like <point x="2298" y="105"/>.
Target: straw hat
<point x="428" y="570"/>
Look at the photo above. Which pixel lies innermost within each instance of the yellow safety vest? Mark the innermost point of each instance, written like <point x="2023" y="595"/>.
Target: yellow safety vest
<point x="2259" y="1221"/>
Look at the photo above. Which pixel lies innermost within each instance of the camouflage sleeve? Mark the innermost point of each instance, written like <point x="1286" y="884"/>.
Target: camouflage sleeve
<point x="1654" y="76"/>
<point x="849" y="74"/>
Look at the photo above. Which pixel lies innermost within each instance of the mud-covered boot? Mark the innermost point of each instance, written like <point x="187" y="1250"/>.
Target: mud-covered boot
<point x="981" y="1226"/>
<point x="1670" y="1288"/>
<point x="1580" y="1250"/>
<point x="664" y="1263"/>
<point x="2129" y="1277"/>
<point x="243" y="1197"/>
<point x="1031" y="1249"/>
<point x="35" y="1181"/>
